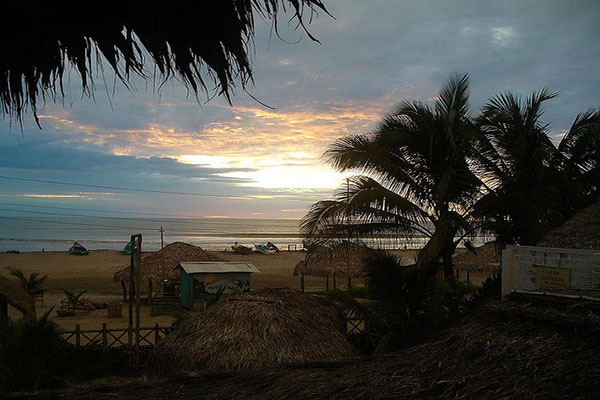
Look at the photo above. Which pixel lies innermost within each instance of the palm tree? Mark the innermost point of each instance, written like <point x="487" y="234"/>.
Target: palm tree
<point x="72" y="297"/>
<point x="581" y="146"/>
<point x="536" y="186"/>
<point x="33" y="284"/>
<point x="418" y="176"/>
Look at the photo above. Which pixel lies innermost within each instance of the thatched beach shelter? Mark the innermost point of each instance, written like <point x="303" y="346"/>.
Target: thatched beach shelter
<point x="346" y="260"/>
<point x="12" y="293"/>
<point x="581" y="231"/>
<point x="160" y="266"/>
<point x="254" y="330"/>
<point x="204" y="44"/>
<point x="485" y="259"/>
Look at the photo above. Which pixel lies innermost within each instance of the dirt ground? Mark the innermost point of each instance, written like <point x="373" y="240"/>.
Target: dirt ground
<point x="94" y="273"/>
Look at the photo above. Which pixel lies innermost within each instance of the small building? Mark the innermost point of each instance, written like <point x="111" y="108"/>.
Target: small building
<point x="199" y="279"/>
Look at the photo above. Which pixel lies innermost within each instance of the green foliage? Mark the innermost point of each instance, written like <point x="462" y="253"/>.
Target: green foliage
<point x="30" y="354"/>
<point x="73" y="297"/>
<point x="407" y="304"/>
<point x="34" y="356"/>
<point x="535" y="186"/>
<point x="33" y="284"/>
<point x="491" y="289"/>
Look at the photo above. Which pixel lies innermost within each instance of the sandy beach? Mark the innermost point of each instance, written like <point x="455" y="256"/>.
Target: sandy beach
<point x="94" y="273"/>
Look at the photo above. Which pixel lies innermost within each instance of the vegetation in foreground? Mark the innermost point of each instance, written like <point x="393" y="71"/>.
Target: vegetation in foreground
<point x="34" y="356"/>
<point x="406" y="304"/>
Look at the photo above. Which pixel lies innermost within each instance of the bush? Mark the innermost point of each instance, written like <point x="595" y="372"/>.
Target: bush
<point x="408" y="305"/>
<point x="34" y="356"/>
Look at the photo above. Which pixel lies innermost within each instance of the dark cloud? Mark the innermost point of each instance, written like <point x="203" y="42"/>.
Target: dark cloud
<point x="372" y="55"/>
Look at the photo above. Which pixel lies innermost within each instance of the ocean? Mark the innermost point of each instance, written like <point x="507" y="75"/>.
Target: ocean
<point x="59" y="233"/>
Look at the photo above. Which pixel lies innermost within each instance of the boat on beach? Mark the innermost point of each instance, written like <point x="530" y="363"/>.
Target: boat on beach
<point x="238" y="248"/>
<point x="78" y="249"/>
<point x="272" y="246"/>
<point x="264" y="249"/>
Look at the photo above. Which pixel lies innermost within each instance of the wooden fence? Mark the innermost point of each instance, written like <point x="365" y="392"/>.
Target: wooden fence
<point x="116" y="337"/>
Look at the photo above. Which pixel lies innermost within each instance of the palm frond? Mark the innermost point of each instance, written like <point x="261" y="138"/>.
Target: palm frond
<point x="206" y="44"/>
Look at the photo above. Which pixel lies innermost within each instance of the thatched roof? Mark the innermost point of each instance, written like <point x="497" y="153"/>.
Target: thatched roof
<point x="254" y="330"/>
<point x="488" y="258"/>
<point x="160" y="265"/>
<point x="13" y="294"/>
<point x="578" y="232"/>
<point x="498" y="351"/>
<point x="343" y="260"/>
<point x="203" y="43"/>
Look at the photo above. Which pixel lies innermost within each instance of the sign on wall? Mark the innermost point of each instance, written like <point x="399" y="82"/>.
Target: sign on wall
<point x="547" y="277"/>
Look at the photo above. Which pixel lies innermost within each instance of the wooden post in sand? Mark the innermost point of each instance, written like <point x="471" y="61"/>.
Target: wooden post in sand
<point x="138" y="287"/>
<point x="327" y="283"/>
<point x="130" y="301"/>
<point x="162" y="243"/>
<point x="134" y="290"/>
<point x="302" y="281"/>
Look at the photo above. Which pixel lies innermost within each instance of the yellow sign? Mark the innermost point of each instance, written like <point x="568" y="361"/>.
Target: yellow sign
<point x="552" y="277"/>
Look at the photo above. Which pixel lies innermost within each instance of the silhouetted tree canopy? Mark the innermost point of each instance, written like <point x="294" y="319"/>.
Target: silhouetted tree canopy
<point x="200" y="42"/>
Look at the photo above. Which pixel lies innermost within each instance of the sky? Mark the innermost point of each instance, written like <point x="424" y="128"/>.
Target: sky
<point x="249" y="161"/>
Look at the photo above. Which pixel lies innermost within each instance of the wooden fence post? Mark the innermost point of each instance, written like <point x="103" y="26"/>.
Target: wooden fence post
<point x="104" y="335"/>
<point x="77" y="335"/>
<point x="302" y="281"/>
<point x="156" y="333"/>
<point x="327" y="283"/>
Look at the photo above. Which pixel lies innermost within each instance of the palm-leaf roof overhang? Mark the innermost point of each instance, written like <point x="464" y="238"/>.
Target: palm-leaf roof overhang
<point x="202" y="43"/>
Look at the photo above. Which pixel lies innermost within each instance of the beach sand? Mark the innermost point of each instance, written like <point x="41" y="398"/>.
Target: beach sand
<point x="94" y="273"/>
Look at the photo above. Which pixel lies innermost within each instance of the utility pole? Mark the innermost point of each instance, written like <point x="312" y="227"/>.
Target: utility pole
<point x="161" y="238"/>
<point x="134" y="287"/>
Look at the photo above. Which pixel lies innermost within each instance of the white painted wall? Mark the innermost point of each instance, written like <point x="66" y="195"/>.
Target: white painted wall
<point x="519" y="272"/>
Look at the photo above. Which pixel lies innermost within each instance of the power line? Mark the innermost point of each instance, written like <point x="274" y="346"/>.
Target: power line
<point x="97" y="210"/>
<point x="80" y="224"/>
<point x="188" y="220"/>
<point x="221" y="196"/>
<point x="89" y="216"/>
<point x="169" y="229"/>
<point x="127" y="189"/>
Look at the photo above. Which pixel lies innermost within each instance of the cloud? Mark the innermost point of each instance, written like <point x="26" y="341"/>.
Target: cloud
<point x="371" y="57"/>
<point x="504" y="35"/>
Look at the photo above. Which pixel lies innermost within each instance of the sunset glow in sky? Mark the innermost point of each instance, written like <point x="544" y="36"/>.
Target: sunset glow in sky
<point x="251" y="161"/>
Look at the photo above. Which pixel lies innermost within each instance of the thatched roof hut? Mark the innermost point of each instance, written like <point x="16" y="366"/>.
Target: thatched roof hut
<point x="578" y="232"/>
<point x="254" y="330"/>
<point x="345" y="260"/>
<point x="204" y="43"/>
<point x="487" y="259"/>
<point x="12" y="293"/>
<point x="161" y="264"/>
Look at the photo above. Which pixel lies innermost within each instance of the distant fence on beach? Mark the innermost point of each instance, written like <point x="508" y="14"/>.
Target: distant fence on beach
<point x="116" y="337"/>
